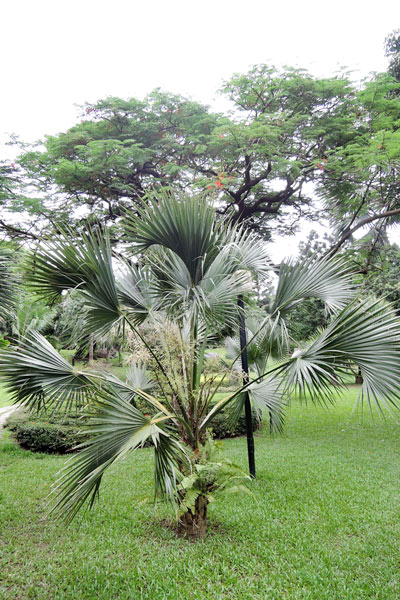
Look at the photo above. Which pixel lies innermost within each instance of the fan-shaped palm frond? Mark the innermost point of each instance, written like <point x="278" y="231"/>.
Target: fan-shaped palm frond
<point x="365" y="333"/>
<point x="138" y="378"/>
<point x="186" y="226"/>
<point x="30" y="314"/>
<point x="213" y="297"/>
<point x="266" y="337"/>
<point x="119" y="428"/>
<point x="171" y="282"/>
<point x="219" y="289"/>
<point x="248" y="251"/>
<point x="86" y="264"/>
<point x="267" y="397"/>
<point x="36" y="374"/>
<point x="136" y="292"/>
<point x="328" y="280"/>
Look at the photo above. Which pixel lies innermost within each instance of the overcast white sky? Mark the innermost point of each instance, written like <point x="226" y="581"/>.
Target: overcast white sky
<point x="56" y="54"/>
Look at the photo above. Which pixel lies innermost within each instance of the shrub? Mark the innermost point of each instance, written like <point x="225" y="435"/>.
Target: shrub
<point x="60" y="433"/>
<point x="221" y="427"/>
<point x="55" y="433"/>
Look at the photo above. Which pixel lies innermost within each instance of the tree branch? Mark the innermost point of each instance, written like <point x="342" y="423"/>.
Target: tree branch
<point x="13" y="231"/>
<point x="252" y="182"/>
<point x="349" y="232"/>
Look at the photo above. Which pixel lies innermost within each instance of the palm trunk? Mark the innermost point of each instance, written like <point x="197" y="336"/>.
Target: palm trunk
<point x="194" y="524"/>
<point x="91" y="349"/>
<point x="359" y="378"/>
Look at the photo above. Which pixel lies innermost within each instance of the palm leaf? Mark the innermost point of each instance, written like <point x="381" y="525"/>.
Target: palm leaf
<point x="129" y="389"/>
<point x="266" y="336"/>
<point x="135" y="288"/>
<point x="247" y="249"/>
<point x="172" y="282"/>
<point x="85" y="264"/>
<point x="168" y="455"/>
<point x="365" y="333"/>
<point x="36" y="374"/>
<point x="138" y="378"/>
<point x="199" y="265"/>
<point x="328" y="280"/>
<point x="186" y="226"/>
<point x="213" y="298"/>
<point x="118" y="429"/>
<point x="267" y="397"/>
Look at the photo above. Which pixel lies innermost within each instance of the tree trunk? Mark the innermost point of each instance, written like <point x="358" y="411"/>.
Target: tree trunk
<point x="91" y="349"/>
<point x="359" y="377"/>
<point x="194" y="525"/>
<point x="109" y="352"/>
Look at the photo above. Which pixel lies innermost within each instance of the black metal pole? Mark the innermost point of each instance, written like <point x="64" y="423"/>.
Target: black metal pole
<point x="247" y="405"/>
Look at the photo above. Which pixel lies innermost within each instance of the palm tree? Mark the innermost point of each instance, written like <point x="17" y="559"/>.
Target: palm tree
<point x="30" y="314"/>
<point x="184" y="276"/>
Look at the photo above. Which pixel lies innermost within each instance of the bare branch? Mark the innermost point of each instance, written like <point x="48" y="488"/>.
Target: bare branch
<point x="349" y="232"/>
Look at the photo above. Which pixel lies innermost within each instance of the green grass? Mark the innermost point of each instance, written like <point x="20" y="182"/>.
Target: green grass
<point x="4" y="397"/>
<point x="326" y="524"/>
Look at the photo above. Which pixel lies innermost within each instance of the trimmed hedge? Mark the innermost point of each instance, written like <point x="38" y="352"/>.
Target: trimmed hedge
<point x="51" y="434"/>
<point x="47" y="438"/>
<point x="221" y="429"/>
<point x="60" y="433"/>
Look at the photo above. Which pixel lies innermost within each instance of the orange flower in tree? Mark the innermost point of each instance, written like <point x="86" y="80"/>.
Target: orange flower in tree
<point x="321" y="165"/>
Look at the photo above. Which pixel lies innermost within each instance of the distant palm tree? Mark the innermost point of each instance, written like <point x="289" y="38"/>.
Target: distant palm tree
<point x="30" y="314"/>
<point x="6" y="284"/>
<point x="189" y="271"/>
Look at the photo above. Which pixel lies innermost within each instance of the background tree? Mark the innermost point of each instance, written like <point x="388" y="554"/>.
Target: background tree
<point x="360" y="181"/>
<point x="257" y="162"/>
<point x="120" y="150"/>
<point x="6" y="283"/>
<point x="383" y="279"/>
<point x="392" y="51"/>
<point x="287" y="121"/>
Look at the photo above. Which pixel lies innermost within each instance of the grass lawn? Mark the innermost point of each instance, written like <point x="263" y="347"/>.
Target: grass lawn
<point x="4" y="398"/>
<point x="326" y="524"/>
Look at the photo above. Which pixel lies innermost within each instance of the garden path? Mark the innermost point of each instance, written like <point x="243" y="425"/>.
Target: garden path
<point x="5" y="412"/>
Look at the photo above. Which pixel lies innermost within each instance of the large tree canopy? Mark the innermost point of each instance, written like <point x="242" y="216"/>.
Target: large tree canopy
<point x="360" y="184"/>
<point x="288" y="138"/>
